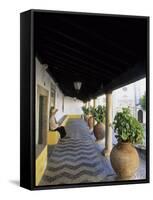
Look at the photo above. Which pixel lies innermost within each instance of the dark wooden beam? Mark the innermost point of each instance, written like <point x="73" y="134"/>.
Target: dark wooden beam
<point x="83" y="54"/>
<point x="99" y="37"/>
<point x="72" y="68"/>
<point x="78" y="62"/>
<point x="63" y="34"/>
<point x="131" y="75"/>
<point x="78" y="68"/>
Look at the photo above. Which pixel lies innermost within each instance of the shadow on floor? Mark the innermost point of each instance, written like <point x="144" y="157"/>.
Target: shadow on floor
<point x="15" y="182"/>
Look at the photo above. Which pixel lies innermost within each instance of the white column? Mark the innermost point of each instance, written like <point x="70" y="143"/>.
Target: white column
<point x="94" y="105"/>
<point x="108" y="133"/>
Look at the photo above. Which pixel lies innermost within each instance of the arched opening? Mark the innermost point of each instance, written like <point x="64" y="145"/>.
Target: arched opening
<point x="140" y="116"/>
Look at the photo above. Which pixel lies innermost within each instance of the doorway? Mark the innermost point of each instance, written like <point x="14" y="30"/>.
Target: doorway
<point x="42" y="116"/>
<point x="42" y="120"/>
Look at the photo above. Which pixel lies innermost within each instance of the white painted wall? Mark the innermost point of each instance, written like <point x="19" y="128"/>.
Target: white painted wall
<point x="71" y="106"/>
<point x="58" y="103"/>
<point x="128" y="97"/>
<point x="124" y="97"/>
<point x="43" y="79"/>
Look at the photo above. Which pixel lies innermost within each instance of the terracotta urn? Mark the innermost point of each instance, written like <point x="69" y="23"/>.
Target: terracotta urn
<point x="91" y="122"/>
<point x="86" y="117"/>
<point x="124" y="159"/>
<point x="99" y="131"/>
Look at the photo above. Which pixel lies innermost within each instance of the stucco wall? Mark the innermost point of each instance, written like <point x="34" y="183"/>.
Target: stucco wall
<point x="44" y="80"/>
<point x="72" y="106"/>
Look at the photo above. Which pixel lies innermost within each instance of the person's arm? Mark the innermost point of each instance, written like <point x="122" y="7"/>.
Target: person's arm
<point x="55" y="112"/>
<point x="55" y="117"/>
<point x="56" y="121"/>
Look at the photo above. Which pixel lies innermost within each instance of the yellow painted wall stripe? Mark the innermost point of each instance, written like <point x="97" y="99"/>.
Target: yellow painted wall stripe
<point x="54" y="136"/>
<point x="74" y="116"/>
<point x="41" y="163"/>
<point x="52" y="139"/>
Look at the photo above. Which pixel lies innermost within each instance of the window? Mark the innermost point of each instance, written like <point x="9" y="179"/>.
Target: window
<point x="52" y="95"/>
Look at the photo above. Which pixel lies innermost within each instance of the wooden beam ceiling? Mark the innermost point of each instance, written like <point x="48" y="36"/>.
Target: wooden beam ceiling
<point x="101" y="51"/>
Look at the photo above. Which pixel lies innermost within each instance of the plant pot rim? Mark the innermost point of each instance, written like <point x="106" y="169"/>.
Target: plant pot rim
<point x="100" y="123"/>
<point x="126" y="143"/>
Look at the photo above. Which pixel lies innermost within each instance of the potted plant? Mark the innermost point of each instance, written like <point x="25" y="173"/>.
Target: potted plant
<point x="91" y="118"/>
<point x="86" y="113"/>
<point x="99" y="115"/>
<point x="124" y="157"/>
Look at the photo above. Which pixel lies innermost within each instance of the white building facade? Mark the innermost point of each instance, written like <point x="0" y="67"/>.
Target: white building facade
<point x="128" y="96"/>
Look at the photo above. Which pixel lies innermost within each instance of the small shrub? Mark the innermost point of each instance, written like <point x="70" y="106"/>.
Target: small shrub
<point x="128" y="128"/>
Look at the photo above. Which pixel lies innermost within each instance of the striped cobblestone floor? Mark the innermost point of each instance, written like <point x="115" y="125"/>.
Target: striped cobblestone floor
<point x="75" y="159"/>
<point x="78" y="159"/>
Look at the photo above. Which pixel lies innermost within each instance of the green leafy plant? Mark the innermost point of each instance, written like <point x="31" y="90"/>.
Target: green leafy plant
<point x="85" y="110"/>
<point x="99" y="114"/>
<point x="128" y="128"/>
<point x="143" y="101"/>
<point x="91" y="110"/>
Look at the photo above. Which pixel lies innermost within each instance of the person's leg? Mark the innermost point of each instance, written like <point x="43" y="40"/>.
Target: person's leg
<point x="62" y="131"/>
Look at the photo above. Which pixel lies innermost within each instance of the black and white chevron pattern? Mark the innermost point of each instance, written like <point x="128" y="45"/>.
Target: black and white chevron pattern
<point x="75" y="159"/>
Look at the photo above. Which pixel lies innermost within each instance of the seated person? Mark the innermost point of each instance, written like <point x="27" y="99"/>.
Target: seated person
<point x="53" y="125"/>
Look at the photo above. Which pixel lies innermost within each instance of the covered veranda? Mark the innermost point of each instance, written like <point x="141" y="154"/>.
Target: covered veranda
<point x="103" y="56"/>
<point x="78" y="159"/>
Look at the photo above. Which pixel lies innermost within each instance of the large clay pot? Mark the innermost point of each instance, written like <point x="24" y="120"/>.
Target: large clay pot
<point x="86" y="117"/>
<point x="124" y="159"/>
<point x="91" y="122"/>
<point x="99" y="131"/>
